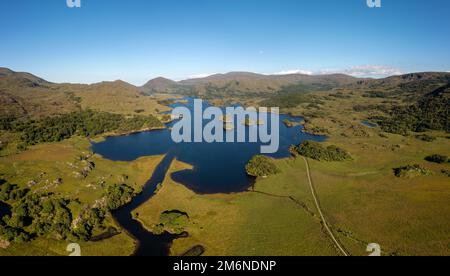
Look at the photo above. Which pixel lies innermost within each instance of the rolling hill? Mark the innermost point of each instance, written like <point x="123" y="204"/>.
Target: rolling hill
<point x="159" y="85"/>
<point x="246" y="83"/>
<point x="26" y="95"/>
<point x="410" y="86"/>
<point x="21" y="78"/>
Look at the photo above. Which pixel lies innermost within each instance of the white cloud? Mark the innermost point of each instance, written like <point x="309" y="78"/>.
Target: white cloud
<point x="365" y="71"/>
<point x="200" y="76"/>
<point x="294" y="71"/>
<point x="362" y="71"/>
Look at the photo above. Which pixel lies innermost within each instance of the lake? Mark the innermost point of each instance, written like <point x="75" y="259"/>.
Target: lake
<point x="218" y="168"/>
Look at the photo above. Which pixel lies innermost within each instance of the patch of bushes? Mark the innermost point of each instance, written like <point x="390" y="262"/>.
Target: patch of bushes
<point x="446" y="172"/>
<point x="14" y="234"/>
<point x="11" y="192"/>
<point x="370" y="107"/>
<point x="173" y="222"/>
<point x="436" y="158"/>
<point x="39" y="215"/>
<point x="261" y="166"/>
<point x="411" y="171"/>
<point x="45" y="215"/>
<point x="119" y="195"/>
<point x="87" y="222"/>
<point x="426" y="138"/>
<point x="291" y="100"/>
<point x="340" y="95"/>
<point x="375" y="94"/>
<point x="315" y="150"/>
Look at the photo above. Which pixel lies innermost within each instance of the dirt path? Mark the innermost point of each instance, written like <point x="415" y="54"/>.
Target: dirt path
<point x="322" y="217"/>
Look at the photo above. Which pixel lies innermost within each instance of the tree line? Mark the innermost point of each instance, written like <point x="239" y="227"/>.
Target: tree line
<point x="85" y="123"/>
<point x="317" y="151"/>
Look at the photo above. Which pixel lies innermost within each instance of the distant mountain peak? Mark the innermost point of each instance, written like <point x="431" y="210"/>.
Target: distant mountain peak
<point x="4" y="72"/>
<point x="21" y="78"/>
<point x="158" y="85"/>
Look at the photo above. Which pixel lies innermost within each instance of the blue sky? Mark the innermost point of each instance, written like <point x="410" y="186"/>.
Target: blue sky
<point x="135" y="40"/>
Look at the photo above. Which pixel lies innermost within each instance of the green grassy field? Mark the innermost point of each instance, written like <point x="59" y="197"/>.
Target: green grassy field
<point x="44" y="163"/>
<point x="245" y="224"/>
<point x="363" y="201"/>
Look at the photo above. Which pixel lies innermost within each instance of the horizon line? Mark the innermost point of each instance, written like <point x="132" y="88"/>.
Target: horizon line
<point x="203" y="76"/>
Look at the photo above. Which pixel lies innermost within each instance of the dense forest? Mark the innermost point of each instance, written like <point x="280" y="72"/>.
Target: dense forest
<point x="50" y="215"/>
<point x="317" y="151"/>
<point x="430" y="113"/>
<point x="291" y="100"/>
<point x="84" y="123"/>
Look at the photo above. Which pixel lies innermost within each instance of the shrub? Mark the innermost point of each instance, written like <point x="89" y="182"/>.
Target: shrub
<point x="13" y="234"/>
<point x="172" y="221"/>
<point x="11" y="192"/>
<point x="316" y="151"/>
<point x="426" y="138"/>
<point x="261" y="166"/>
<point x="436" y="158"/>
<point x="411" y="171"/>
<point x="119" y="195"/>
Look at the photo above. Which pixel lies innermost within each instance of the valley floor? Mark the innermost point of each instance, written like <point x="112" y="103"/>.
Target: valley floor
<point x="362" y="200"/>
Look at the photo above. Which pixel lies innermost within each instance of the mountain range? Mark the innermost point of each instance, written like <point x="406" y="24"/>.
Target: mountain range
<point x="24" y="94"/>
<point x="245" y="82"/>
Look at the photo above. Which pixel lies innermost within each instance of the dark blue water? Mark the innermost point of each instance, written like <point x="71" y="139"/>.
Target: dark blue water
<point x="148" y="244"/>
<point x="369" y="124"/>
<point x="218" y="168"/>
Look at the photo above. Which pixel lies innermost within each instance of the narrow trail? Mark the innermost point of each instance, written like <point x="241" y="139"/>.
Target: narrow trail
<point x="291" y="198"/>
<point x="316" y="202"/>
